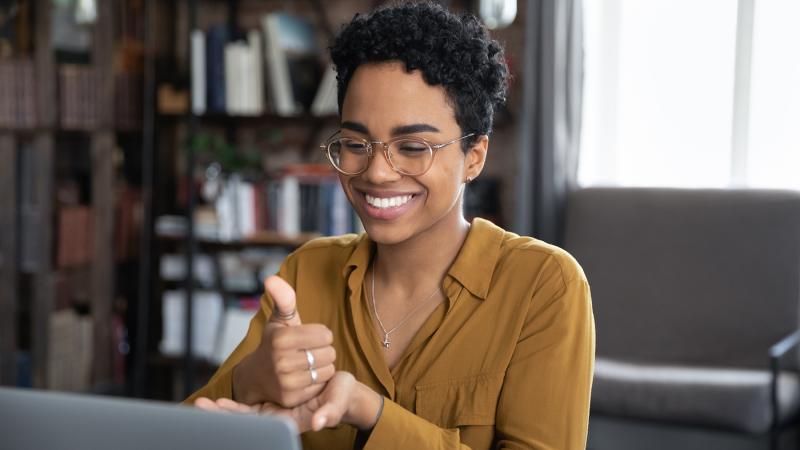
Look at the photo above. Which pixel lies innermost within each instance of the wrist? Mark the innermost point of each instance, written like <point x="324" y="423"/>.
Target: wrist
<point x="365" y="409"/>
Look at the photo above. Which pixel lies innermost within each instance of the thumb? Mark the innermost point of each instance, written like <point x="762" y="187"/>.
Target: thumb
<point x="285" y="301"/>
<point x="329" y="414"/>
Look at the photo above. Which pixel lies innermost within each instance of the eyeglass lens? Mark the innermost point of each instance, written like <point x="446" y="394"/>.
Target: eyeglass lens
<point x="408" y="156"/>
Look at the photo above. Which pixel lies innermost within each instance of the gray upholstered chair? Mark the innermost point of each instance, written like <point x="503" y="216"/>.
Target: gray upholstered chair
<point x="696" y="296"/>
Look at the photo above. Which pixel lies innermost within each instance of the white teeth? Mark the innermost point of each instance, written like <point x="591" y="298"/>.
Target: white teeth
<point x="392" y="202"/>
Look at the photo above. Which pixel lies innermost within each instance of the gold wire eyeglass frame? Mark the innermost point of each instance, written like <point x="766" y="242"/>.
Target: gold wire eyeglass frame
<point x="325" y="146"/>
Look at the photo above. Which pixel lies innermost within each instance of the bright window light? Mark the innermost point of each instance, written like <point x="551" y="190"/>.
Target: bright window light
<point x="659" y="94"/>
<point x="774" y="145"/>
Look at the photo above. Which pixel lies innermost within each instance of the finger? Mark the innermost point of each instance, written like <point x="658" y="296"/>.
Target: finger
<point x="299" y="397"/>
<point x="318" y="421"/>
<point x="302" y="379"/>
<point x="301" y="337"/>
<point x="232" y="406"/>
<point x="297" y="361"/>
<point x="331" y="412"/>
<point x="285" y="300"/>
<point x="206" y="404"/>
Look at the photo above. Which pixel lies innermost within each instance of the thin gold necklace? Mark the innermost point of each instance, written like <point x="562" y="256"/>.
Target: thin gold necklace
<point x="386" y="342"/>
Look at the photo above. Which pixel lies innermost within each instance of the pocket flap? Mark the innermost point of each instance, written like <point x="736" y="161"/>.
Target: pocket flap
<point x="460" y="402"/>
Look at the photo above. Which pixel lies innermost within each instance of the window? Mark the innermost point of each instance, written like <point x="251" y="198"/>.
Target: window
<point x="691" y="93"/>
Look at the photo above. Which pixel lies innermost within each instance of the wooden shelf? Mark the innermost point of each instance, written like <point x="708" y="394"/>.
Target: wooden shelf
<point x="260" y="239"/>
<point x="221" y="119"/>
<point x="177" y="362"/>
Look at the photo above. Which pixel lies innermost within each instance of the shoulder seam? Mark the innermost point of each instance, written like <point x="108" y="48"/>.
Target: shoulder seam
<point x="554" y="255"/>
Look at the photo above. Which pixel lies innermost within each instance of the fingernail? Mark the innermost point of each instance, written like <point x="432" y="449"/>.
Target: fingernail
<point x="320" y="423"/>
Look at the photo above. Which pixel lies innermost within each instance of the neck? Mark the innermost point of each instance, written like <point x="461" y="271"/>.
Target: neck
<point x="418" y="264"/>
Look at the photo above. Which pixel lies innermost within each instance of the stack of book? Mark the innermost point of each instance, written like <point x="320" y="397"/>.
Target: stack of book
<point x="307" y="198"/>
<point x="17" y="96"/>
<point x="77" y="94"/>
<point x="276" y="70"/>
<point x="206" y="316"/>
<point x="217" y="329"/>
<point x="303" y="198"/>
<point x="69" y="356"/>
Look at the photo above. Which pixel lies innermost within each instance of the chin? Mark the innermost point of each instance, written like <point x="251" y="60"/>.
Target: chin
<point x="387" y="233"/>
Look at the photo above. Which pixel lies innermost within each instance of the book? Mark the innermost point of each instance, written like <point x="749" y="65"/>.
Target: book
<point x="32" y="223"/>
<point x="69" y="356"/>
<point x="292" y="61"/>
<point x="216" y="39"/>
<point x="17" y="94"/>
<point x="255" y="73"/>
<point x="234" y="70"/>
<point x="172" y="267"/>
<point x="235" y="323"/>
<point x="77" y="97"/>
<point x="74" y="236"/>
<point x="206" y="316"/>
<point x="198" y="55"/>
<point x="309" y="198"/>
<point x="288" y="206"/>
<point x="326" y="102"/>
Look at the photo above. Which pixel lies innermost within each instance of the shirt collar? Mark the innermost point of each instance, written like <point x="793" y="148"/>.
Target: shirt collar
<point x="472" y="268"/>
<point x="476" y="260"/>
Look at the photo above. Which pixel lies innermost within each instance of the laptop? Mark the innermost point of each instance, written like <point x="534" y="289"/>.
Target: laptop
<point x="51" y="420"/>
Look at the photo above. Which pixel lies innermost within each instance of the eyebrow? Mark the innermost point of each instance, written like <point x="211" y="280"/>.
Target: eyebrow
<point x="396" y="131"/>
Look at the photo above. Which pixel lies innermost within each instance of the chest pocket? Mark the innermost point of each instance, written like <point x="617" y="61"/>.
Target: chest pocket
<point x="460" y="402"/>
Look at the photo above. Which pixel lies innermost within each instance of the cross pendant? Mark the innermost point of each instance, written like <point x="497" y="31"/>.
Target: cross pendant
<point x="386" y="341"/>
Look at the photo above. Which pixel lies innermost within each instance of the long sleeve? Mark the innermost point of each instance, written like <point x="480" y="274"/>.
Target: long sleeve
<point x="544" y="403"/>
<point x="398" y="428"/>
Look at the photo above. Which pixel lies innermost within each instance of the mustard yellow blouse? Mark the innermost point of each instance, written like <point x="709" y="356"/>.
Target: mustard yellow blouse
<point x="505" y="362"/>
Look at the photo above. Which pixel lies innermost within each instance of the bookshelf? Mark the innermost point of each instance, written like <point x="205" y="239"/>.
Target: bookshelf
<point x="177" y="125"/>
<point x="34" y="287"/>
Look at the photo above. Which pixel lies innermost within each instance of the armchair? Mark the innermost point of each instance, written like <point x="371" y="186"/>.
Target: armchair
<point x="696" y="295"/>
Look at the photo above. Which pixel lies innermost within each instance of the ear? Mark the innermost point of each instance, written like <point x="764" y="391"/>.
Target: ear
<point x="476" y="158"/>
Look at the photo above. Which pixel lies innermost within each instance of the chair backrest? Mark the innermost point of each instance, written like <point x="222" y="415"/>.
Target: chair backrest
<point x="705" y="276"/>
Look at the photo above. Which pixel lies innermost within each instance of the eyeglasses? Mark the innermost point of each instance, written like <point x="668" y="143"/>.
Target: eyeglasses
<point x="407" y="155"/>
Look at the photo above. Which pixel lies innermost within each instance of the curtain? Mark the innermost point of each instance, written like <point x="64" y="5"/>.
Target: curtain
<point x="552" y="84"/>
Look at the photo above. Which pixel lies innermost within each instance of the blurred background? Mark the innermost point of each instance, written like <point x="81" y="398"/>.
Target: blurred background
<point x="159" y="158"/>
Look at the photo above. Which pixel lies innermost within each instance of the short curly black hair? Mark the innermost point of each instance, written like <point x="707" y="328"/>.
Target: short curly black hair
<point x="454" y="51"/>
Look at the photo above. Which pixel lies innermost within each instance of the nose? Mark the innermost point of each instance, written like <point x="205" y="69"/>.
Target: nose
<point x="380" y="169"/>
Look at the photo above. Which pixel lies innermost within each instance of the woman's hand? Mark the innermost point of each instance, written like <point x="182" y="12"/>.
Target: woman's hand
<point x="344" y="400"/>
<point x="278" y="370"/>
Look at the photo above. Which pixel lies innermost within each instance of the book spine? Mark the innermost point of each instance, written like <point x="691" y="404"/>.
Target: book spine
<point x="198" y="39"/>
<point x="215" y="61"/>
<point x="278" y="66"/>
<point x="256" y="69"/>
<point x="289" y="206"/>
<point x="232" y="84"/>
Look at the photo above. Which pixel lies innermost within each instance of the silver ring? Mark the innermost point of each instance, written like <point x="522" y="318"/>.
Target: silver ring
<point x="310" y="359"/>
<point x="284" y="317"/>
<point x="313" y="372"/>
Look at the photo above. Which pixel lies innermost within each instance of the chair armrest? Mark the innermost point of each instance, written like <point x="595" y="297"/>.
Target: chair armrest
<point x="777" y="352"/>
<point x="779" y="349"/>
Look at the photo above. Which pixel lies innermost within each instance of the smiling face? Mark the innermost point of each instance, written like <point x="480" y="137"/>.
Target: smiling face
<point x="384" y="102"/>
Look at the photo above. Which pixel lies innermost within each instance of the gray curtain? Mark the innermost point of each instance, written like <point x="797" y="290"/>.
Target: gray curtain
<point x="552" y="80"/>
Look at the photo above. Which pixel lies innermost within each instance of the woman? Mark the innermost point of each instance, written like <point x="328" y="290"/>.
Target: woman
<point x="427" y="331"/>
